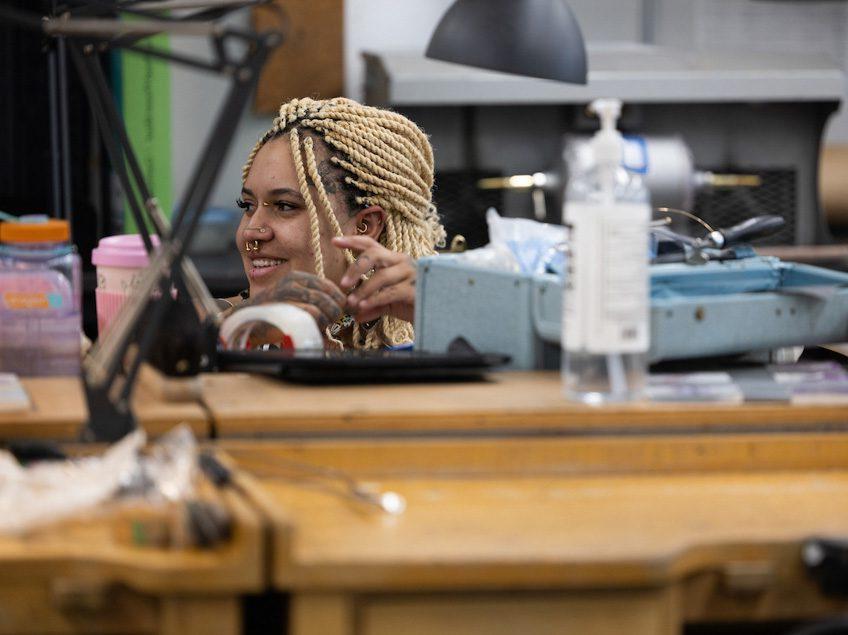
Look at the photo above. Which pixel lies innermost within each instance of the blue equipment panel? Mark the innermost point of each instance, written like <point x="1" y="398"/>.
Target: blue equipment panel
<point x="719" y="308"/>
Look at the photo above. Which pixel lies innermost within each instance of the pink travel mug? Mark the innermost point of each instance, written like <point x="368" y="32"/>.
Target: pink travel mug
<point x="120" y="262"/>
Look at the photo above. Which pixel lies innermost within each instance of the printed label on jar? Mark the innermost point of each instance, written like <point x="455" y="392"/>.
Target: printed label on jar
<point x="21" y="300"/>
<point x="606" y="293"/>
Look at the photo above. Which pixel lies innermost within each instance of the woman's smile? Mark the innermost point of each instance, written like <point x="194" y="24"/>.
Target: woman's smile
<point x="263" y="267"/>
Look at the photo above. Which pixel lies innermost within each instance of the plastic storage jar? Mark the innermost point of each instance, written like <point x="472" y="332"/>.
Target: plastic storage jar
<point x="40" y="303"/>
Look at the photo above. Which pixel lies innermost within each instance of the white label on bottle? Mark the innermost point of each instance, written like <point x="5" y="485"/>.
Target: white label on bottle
<point x="606" y="288"/>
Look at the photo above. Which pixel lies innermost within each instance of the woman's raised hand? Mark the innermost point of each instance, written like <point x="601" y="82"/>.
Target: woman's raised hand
<point x="390" y="290"/>
<point x="321" y="298"/>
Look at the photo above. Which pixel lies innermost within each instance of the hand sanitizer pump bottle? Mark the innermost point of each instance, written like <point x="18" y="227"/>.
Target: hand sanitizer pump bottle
<point x="605" y="304"/>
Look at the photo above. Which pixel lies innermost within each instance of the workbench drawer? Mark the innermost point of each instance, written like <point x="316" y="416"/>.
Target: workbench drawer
<point x="63" y="605"/>
<point x="78" y="577"/>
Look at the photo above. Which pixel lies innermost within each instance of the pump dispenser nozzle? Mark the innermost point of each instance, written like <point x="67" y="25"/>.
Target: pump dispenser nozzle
<point x="608" y="144"/>
<point x="607" y="110"/>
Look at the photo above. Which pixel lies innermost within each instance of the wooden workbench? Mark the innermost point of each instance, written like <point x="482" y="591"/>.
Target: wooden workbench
<point x="78" y="578"/>
<point x="243" y="405"/>
<point x="59" y="411"/>
<point x="525" y="513"/>
<point x="238" y="405"/>
<point x="601" y="535"/>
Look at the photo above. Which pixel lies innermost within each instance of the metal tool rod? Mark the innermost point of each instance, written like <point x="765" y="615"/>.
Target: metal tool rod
<point x="88" y="70"/>
<point x="171" y="5"/>
<point x="170" y="56"/>
<point x="94" y="27"/>
<point x="118" y="131"/>
<point x="55" y="154"/>
<point x="64" y="130"/>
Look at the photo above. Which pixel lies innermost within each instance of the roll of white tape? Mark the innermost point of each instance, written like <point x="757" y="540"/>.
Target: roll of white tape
<point x="300" y="332"/>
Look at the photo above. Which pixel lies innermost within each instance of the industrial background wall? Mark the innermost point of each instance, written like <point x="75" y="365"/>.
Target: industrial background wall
<point x="763" y="26"/>
<point x="394" y="25"/>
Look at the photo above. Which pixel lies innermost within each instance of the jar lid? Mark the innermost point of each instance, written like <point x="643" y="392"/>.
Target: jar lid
<point x="125" y="250"/>
<point x="50" y="230"/>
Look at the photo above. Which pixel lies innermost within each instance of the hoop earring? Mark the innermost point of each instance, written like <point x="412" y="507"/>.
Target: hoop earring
<point x="362" y="228"/>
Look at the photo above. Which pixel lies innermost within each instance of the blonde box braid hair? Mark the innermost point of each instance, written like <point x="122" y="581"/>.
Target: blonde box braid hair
<point x="389" y="162"/>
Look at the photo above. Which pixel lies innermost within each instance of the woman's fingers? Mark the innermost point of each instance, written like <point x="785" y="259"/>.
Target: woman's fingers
<point x="321" y="306"/>
<point x="312" y="281"/>
<point x="397" y="300"/>
<point x="318" y="313"/>
<point x="392" y="293"/>
<point x="282" y="289"/>
<point x="376" y="283"/>
<point x="373" y="256"/>
<point x="366" y="316"/>
<point x="357" y="243"/>
<point x="322" y="299"/>
<point x="390" y="287"/>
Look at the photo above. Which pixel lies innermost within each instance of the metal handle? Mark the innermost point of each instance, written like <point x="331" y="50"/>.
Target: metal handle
<point x="748" y="230"/>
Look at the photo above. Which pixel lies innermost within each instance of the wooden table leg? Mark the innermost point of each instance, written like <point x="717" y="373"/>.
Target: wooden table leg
<point x="322" y="614"/>
<point x="201" y="616"/>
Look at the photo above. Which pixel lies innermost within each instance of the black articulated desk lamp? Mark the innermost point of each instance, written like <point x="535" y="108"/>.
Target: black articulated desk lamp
<point x="89" y="27"/>
<point x="537" y="38"/>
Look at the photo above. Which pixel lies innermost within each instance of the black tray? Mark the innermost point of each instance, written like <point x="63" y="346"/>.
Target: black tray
<point x="459" y="363"/>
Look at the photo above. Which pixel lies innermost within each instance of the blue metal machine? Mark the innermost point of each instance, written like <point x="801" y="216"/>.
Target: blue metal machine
<point x="748" y="304"/>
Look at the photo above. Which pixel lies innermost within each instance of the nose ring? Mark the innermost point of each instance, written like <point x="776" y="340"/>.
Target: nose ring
<point x="261" y="230"/>
<point x="248" y="247"/>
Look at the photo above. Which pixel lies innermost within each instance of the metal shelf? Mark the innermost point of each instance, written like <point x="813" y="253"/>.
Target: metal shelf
<point x="636" y="73"/>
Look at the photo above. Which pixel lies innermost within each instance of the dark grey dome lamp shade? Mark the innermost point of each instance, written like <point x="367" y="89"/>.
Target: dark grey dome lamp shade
<point x="538" y="38"/>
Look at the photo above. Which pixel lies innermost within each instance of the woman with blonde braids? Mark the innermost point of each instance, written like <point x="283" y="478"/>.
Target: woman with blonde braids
<point x="337" y="208"/>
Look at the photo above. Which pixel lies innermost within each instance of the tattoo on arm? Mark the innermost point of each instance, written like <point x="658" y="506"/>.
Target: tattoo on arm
<point x="306" y="290"/>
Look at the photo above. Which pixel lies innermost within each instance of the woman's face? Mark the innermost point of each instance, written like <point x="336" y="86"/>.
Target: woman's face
<point x="276" y="216"/>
